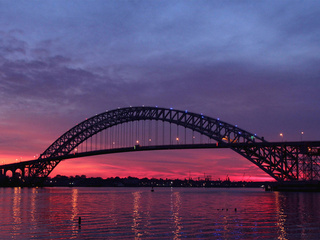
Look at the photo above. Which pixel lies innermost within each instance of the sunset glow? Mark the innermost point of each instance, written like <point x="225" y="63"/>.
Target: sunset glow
<point x="252" y="65"/>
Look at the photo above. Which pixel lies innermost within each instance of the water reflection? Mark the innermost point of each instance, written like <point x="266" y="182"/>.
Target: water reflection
<point x="298" y="215"/>
<point x="164" y="214"/>
<point x="136" y="214"/>
<point x="75" y="213"/>
<point x="112" y="205"/>
<point x="281" y="217"/>
<point x="33" y="210"/>
<point x="74" y="202"/>
<point x="16" y="211"/>
<point x="175" y="208"/>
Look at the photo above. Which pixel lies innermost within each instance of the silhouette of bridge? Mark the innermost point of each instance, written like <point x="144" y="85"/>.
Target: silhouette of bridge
<point x="154" y="128"/>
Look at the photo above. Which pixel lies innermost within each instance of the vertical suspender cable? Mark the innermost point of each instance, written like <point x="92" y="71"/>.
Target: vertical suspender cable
<point x="150" y="132"/>
<point x="105" y="139"/>
<point x="178" y="139"/>
<point x="156" y="133"/>
<point x="185" y="135"/>
<point x="170" y="134"/>
<point x="91" y="142"/>
<point x="143" y="132"/>
<point x="162" y="132"/>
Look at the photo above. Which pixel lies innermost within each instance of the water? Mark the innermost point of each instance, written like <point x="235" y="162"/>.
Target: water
<point x="167" y="213"/>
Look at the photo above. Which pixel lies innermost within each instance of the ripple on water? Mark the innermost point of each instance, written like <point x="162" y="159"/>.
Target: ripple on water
<point x="167" y="213"/>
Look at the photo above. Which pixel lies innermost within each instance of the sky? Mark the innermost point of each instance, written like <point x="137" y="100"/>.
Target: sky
<point x="250" y="63"/>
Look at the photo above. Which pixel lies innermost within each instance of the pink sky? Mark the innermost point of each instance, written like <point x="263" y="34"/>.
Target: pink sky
<point x="166" y="164"/>
<point x="254" y="64"/>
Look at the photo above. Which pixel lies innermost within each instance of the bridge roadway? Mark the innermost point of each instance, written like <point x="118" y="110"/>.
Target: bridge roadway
<point x="301" y="145"/>
<point x="295" y="159"/>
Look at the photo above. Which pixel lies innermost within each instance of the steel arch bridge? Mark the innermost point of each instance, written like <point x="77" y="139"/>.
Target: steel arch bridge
<point x="285" y="161"/>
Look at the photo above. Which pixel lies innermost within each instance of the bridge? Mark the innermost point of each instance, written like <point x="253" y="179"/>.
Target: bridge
<point x="154" y="128"/>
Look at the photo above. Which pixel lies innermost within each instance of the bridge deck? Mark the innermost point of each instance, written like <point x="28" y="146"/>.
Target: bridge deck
<point x="169" y="147"/>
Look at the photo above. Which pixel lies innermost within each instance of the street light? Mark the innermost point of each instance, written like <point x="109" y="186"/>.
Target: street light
<point x="281" y="135"/>
<point x="301" y="135"/>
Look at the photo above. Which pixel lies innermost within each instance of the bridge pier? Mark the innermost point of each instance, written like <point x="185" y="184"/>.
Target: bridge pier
<point x="18" y="175"/>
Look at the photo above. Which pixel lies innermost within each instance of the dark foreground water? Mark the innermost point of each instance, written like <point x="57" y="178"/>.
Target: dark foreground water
<point x="167" y="213"/>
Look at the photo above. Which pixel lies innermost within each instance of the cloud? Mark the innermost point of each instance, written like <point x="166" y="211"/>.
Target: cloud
<point x="202" y="31"/>
<point x="254" y="64"/>
<point x="53" y="84"/>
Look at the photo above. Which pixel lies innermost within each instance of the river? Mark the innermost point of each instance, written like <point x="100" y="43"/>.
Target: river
<point x="166" y="213"/>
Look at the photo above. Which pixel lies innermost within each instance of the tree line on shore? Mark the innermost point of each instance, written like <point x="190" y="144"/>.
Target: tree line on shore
<point x="83" y="181"/>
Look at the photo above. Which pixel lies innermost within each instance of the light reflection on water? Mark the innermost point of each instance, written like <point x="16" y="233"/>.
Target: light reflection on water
<point x="167" y="213"/>
<point x="175" y="208"/>
<point x="16" y="210"/>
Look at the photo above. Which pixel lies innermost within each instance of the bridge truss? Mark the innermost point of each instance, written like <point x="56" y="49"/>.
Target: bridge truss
<point x="155" y="128"/>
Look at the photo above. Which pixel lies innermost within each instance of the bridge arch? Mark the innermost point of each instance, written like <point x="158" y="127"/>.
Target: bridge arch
<point x="9" y="173"/>
<point x="283" y="162"/>
<point x="219" y="131"/>
<point x="215" y="129"/>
